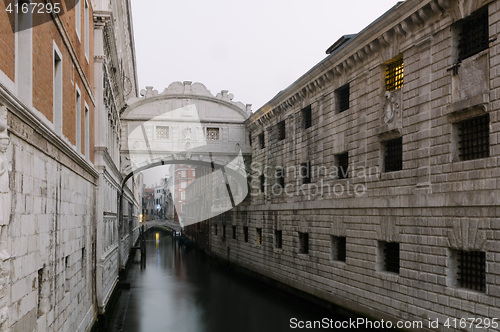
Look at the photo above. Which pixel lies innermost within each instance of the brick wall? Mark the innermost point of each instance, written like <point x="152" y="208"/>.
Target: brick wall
<point x="7" y="44"/>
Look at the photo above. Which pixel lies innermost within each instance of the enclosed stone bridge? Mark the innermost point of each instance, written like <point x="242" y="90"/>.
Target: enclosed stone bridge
<point x="186" y="124"/>
<point x="163" y="224"/>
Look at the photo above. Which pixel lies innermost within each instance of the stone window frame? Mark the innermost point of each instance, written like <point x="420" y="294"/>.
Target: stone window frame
<point x="306" y="114"/>
<point x="342" y="98"/>
<point x="78" y="18"/>
<point x="387" y="253"/>
<point x="162" y="127"/>
<point x="457" y="30"/>
<point x="339" y="158"/>
<point x="467" y="116"/>
<point x="475" y="270"/>
<point x="304" y="243"/>
<point x="212" y="133"/>
<point x="78" y="118"/>
<point x="385" y="156"/>
<point x="338" y="249"/>
<point x="392" y="81"/>
<point x="281" y="130"/>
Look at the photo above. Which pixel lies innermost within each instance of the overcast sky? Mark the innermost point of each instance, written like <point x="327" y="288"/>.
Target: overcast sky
<point x="253" y="48"/>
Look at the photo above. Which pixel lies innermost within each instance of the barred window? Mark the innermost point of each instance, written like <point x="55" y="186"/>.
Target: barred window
<point x="474" y="138"/>
<point x="305" y="172"/>
<point x="342" y="95"/>
<point x="470" y="267"/>
<point x="393" y="155"/>
<point x="281" y="130"/>
<point x="338" y="248"/>
<point x="280" y="177"/>
<point x="390" y="256"/>
<point x="262" y="179"/>
<point x="213" y="134"/>
<point x="259" y="236"/>
<point x="307" y="116"/>
<point x="343" y="165"/>
<point x="304" y="243"/>
<point x="245" y="233"/>
<point x="234" y="233"/>
<point x="473" y="36"/>
<point x="278" y="239"/>
<point x="394" y="74"/>
<point x="162" y="132"/>
<point x="261" y="141"/>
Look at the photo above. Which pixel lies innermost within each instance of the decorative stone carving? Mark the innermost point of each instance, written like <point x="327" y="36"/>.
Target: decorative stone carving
<point x="466" y="234"/>
<point x="392" y="105"/>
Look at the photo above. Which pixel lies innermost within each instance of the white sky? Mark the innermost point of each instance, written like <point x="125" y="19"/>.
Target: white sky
<point x="253" y="48"/>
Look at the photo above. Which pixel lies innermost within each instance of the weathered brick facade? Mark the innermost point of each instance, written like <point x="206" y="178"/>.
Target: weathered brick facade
<point x="412" y="214"/>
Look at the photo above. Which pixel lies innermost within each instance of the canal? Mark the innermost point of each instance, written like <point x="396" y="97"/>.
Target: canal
<point x="179" y="290"/>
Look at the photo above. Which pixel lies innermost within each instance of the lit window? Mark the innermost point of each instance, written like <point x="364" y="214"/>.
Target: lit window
<point x="259" y="236"/>
<point x="394" y="74"/>
<point x="213" y="134"/>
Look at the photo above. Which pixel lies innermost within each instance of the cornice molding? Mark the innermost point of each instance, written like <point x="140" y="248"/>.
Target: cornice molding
<point x="16" y="107"/>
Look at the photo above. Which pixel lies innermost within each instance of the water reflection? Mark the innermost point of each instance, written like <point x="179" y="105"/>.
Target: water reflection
<point x="180" y="291"/>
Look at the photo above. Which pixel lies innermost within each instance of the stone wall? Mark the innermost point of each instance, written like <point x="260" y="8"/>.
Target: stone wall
<point x="49" y="237"/>
<point x="435" y="208"/>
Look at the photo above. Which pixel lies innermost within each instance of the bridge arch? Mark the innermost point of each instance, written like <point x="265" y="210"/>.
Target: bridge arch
<point x="186" y="124"/>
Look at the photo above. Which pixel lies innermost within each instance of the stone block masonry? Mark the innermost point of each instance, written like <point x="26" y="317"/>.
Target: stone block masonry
<point x="411" y="232"/>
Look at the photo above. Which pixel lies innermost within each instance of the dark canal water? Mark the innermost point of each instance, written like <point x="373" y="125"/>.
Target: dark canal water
<point x="180" y="291"/>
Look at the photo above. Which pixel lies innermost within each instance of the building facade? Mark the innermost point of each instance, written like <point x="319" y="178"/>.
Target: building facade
<point x="374" y="178"/>
<point x="52" y="171"/>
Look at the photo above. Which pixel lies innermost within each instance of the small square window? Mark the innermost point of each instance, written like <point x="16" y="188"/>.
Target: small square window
<point x="278" y="239"/>
<point x="474" y="138"/>
<point x="338" y="248"/>
<point x="234" y="232"/>
<point x="307" y="116"/>
<point x="305" y="172"/>
<point x="259" y="236"/>
<point x="343" y="165"/>
<point x="304" y="243"/>
<point x="473" y="34"/>
<point x="342" y="94"/>
<point x="280" y="127"/>
<point x="469" y="269"/>
<point x="394" y="74"/>
<point x="393" y="155"/>
<point x="262" y="142"/>
<point x="245" y="233"/>
<point x="162" y="132"/>
<point x="389" y="252"/>
<point x="213" y="134"/>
